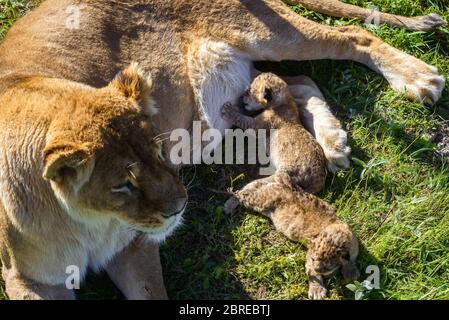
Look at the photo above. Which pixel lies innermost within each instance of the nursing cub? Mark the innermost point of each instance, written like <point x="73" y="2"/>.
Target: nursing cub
<point x="286" y="197"/>
<point x="80" y="177"/>
<point x="292" y="148"/>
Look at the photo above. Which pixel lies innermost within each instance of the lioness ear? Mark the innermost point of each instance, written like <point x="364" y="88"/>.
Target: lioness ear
<point x="67" y="161"/>
<point x="132" y="83"/>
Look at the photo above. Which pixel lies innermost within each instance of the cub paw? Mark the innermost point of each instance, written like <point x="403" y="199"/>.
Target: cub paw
<point x="317" y="292"/>
<point x="350" y="272"/>
<point x="231" y="205"/>
<point x="228" y="111"/>
<point x="336" y="150"/>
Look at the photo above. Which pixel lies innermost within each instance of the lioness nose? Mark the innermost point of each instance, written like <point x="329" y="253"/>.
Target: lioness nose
<point x="181" y="204"/>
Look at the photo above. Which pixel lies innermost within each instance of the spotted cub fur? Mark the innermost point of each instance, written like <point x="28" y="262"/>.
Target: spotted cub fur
<point x="287" y="197"/>
<point x="302" y="216"/>
<point x="292" y="148"/>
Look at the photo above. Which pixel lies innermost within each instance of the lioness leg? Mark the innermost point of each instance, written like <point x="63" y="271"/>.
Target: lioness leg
<point x="318" y="119"/>
<point x="340" y="9"/>
<point x="137" y="271"/>
<point x="20" y="288"/>
<point x="291" y="37"/>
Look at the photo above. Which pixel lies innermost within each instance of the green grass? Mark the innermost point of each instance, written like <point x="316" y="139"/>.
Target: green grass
<point x="395" y="196"/>
<point x="10" y="10"/>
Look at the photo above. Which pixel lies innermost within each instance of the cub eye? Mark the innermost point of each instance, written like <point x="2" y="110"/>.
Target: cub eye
<point x="268" y="95"/>
<point x="127" y="188"/>
<point x="346" y="256"/>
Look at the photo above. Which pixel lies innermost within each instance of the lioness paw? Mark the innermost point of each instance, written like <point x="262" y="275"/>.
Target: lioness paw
<point x="408" y="74"/>
<point x="429" y="22"/>
<point x="334" y="143"/>
<point x="317" y="292"/>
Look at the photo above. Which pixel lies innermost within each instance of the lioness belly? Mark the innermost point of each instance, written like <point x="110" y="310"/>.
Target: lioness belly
<point x="219" y="73"/>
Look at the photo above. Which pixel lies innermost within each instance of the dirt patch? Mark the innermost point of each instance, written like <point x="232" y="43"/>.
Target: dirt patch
<point x="441" y="138"/>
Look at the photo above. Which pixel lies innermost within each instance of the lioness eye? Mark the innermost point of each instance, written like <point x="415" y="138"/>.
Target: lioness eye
<point x="127" y="188"/>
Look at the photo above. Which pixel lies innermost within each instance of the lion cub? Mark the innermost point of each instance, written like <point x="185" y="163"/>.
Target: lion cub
<point x="302" y="216"/>
<point x="292" y="148"/>
<point x="286" y="197"/>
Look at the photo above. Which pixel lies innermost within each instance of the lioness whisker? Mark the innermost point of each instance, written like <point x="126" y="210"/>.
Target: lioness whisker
<point x="159" y="141"/>
<point x="132" y="165"/>
<point x="161" y="134"/>
<point x="191" y="181"/>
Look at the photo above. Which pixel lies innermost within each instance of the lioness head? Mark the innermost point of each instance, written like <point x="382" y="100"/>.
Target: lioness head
<point x="102" y="161"/>
<point x="266" y="91"/>
<point x="335" y="247"/>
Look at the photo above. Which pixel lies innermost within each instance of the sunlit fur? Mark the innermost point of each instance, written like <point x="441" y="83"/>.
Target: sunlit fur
<point x="302" y="216"/>
<point x="165" y="37"/>
<point x="293" y="149"/>
<point x="79" y="184"/>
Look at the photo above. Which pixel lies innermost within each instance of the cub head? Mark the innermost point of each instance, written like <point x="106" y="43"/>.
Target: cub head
<point x="266" y="91"/>
<point x="334" y="248"/>
<point x="102" y="161"/>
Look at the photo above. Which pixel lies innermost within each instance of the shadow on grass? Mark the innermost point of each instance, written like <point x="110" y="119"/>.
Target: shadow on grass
<point x="198" y="261"/>
<point x="98" y="287"/>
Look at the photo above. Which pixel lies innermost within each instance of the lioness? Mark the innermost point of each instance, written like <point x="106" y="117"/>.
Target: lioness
<point x="81" y="177"/>
<point x="200" y="54"/>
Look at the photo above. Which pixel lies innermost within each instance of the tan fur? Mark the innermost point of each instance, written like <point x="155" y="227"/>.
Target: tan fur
<point x="340" y="9"/>
<point x="293" y="149"/>
<point x="299" y="161"/>
<point x="318" y="119"/>
<point x="200" y="54"/>
<point x="302" y="216"/>
<point x="81" y="176"/>
<point x="136" y="271"/>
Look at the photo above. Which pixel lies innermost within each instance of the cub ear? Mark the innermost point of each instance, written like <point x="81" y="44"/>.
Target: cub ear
<point x="132" y="83"/>
<point x="67" y="161"/>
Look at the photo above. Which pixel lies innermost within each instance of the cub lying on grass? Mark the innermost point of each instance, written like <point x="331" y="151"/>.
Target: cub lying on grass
<point x="300" y="215"/>
<point x="286" y="196"/>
